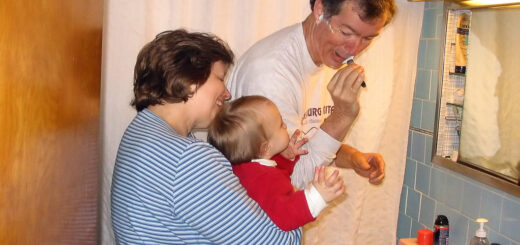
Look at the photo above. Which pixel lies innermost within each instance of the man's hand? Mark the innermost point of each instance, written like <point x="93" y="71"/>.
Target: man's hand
<point x="368" y="165"/>
<point x="343" y="89"/>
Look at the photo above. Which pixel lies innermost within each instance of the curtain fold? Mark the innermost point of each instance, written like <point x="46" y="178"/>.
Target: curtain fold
<point x="381" y="127"/>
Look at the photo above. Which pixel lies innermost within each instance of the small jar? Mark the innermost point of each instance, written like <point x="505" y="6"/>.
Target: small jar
<point x="424" y="237"/>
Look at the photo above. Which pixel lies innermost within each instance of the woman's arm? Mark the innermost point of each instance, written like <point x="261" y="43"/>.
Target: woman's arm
<point x="211" y="200"/>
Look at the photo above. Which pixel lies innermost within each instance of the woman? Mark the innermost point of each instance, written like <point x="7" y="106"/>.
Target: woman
<point x="169" y="187"/>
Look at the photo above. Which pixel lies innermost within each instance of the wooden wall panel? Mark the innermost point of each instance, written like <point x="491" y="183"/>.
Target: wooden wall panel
<point x="50" y="73"/>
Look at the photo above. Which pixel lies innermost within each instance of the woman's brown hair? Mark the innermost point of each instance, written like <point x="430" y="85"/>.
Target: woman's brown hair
<point x="167" y="66"/>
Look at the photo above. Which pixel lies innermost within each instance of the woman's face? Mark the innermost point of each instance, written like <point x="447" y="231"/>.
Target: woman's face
<point x="210" y="97"/>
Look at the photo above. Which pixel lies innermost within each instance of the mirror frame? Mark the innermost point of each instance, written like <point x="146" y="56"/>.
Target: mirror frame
<point x="477" y="173"/>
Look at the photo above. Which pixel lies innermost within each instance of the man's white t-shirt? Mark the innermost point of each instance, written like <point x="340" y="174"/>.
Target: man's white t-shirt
<point x="280" y="68"/>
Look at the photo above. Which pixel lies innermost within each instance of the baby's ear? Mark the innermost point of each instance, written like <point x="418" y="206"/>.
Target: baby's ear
<point x="265" y="149"/>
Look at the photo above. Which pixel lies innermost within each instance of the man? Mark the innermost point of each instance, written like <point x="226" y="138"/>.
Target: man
<point x="289" y="67"/>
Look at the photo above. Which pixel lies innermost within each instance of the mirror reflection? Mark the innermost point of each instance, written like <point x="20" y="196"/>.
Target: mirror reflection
<point x="490" y="128"/>
<point x="477" y="131"/>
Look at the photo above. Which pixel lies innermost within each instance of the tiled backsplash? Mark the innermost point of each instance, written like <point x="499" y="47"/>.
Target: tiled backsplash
<point x="429" y="189"/>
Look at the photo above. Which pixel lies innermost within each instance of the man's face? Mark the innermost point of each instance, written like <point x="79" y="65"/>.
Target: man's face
<point x="345" y="35"/>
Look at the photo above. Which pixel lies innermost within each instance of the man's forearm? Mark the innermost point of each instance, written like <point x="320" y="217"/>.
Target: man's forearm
<point x="322" y="151"/>
<point x="337" y="125"/>
<point x="344" y="156"/>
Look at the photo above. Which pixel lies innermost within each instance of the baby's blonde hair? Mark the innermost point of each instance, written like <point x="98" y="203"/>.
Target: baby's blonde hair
<point x="238" y="129"/>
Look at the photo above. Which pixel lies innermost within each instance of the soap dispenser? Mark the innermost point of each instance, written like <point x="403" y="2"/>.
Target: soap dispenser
<point x="480" y="235"/>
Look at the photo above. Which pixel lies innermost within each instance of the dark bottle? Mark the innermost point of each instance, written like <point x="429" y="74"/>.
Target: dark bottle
<point x="441" y="230"/>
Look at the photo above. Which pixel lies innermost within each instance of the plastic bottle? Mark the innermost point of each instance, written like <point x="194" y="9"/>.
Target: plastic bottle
<point x="480" y="235"/>
<point x="461" y="43"/>
<point x="442" y="230"/>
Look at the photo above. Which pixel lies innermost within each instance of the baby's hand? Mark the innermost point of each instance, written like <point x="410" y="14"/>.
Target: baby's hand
<point x="293" y="149"/>
<point x="329" y="188"/>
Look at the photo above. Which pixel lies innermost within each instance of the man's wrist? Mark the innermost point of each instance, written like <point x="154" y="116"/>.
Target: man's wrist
<point x="345" y="156"/>
<point x="337" y="125"/>
<point x="341" y="117"/>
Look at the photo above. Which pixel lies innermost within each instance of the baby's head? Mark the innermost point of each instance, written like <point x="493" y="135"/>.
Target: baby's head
<point x="247" y="128"/>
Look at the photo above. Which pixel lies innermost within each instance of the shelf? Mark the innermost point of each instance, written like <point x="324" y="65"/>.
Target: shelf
<point x="457" y="74"/>
<point x="454" y="104"/>
<point x="452" y="118"/>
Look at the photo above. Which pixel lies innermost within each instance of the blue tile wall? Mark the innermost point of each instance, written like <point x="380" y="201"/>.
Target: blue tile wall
<point x="428" y="189"/>
<point x="422" y="181"/>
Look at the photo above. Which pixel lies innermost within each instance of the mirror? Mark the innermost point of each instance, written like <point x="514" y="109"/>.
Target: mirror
<point x="490" y="135"/>
<point x="477" y="129"/>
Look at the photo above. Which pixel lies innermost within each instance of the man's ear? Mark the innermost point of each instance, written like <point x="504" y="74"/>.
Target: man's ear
<point x="318" y="11"/>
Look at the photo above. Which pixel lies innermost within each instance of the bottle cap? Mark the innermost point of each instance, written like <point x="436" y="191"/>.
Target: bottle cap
<point x="481" y="232"/>
<point x="441" y="220"/>
<point x="424" y="237"/>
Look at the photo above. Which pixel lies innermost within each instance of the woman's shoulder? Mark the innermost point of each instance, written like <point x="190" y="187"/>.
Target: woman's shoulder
<point x="188" y="146"/>
<point x="197" y="149"/>
<point x="197" y="145"/>
<point x="147" y="126"/>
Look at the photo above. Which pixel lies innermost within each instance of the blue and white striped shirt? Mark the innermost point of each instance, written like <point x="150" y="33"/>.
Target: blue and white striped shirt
<point x="171" y="189"/>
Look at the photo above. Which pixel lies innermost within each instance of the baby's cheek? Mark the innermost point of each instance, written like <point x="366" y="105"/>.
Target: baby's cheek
<point x="287" y="138"/>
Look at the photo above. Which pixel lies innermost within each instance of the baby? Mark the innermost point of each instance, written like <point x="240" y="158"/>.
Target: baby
<point x="251" y="134"/>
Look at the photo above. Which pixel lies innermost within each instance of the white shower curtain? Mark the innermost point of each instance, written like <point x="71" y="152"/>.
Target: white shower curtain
<point x="381" y="127"/>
